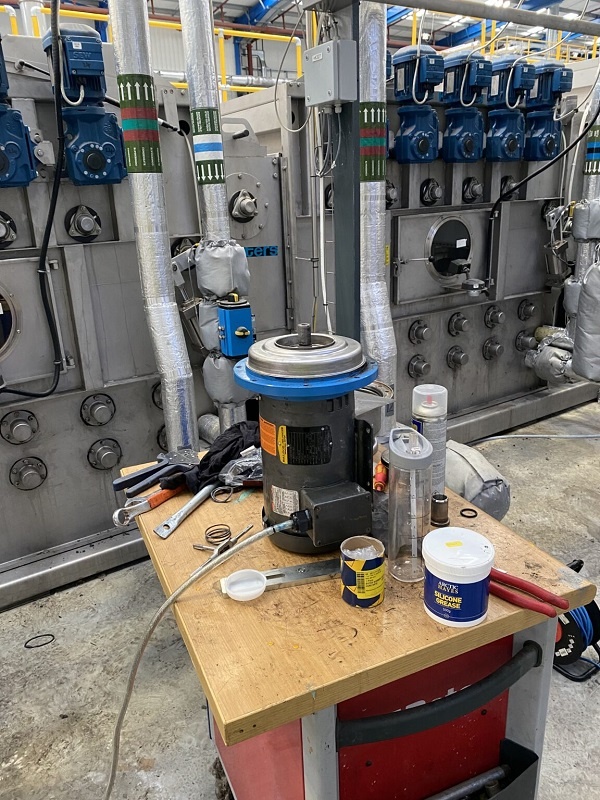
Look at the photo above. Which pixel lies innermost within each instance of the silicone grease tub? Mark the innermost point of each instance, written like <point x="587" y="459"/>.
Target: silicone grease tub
<point x="457" y="576"/>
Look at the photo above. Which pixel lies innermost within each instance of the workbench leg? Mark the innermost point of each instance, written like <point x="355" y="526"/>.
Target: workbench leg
<point x="528" y="699"/>
<point x="320" y="755"/>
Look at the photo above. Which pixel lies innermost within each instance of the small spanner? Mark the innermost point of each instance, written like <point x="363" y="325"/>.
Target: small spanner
<point x="139" y="505"/>
<point x="168" y="526"/>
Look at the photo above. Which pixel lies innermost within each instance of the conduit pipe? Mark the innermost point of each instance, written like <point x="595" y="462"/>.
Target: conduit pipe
<point x="376" y="329"/>
<point x="217" y="251"/>
<point x="131" y="40"/>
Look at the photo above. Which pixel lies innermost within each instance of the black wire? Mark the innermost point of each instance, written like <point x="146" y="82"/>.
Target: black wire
<point x="43" y="276"/>
<point x="506" y="194"/>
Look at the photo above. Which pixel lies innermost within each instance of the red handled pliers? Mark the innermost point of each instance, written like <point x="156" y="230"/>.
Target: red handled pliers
<point x="535" y="599"/>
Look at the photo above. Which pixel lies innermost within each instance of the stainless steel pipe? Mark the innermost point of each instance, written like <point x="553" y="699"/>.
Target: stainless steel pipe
<point x="131" y="39"/>
<point x="479" y="10"/>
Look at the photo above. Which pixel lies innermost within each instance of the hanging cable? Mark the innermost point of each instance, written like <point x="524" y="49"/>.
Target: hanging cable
<point x="196" y="575"/>
<point x="43" y="276"/>
<point x="285" y="52"/>
<point x="79" y="101"/>
<point x="417" y="65"/>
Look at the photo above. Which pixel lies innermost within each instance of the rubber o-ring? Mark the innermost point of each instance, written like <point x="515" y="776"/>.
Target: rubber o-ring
<point x="468" y="513"/>
<point x="48" y="639"/>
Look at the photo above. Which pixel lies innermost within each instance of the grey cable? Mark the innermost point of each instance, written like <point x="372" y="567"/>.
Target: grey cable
<point x="539" y="436"/>
<point x="203" y="570"/>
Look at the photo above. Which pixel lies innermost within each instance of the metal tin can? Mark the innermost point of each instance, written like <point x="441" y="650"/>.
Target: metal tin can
<point x="362" y="571"/>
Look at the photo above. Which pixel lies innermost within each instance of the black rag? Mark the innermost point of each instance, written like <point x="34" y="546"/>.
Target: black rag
<point x="225" y="448"/>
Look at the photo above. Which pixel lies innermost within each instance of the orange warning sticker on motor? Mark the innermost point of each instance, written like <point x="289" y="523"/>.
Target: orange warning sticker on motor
<point x="268" y="437"/>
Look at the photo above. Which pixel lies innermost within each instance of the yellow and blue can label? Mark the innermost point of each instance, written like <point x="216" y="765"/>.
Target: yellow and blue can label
<point x="363" y="582"/>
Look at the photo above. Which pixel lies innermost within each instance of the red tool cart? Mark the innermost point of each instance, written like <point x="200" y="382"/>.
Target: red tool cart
<point x="312" y="699"/>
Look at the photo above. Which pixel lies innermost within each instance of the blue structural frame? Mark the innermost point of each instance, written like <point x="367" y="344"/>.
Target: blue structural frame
<point x="254" y="14"/>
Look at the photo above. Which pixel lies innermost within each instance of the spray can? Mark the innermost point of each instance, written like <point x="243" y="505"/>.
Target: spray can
<point x="429" y="417"/>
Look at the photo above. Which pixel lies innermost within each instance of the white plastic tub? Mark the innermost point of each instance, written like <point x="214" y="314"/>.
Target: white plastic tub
<point x="457" y="576"/>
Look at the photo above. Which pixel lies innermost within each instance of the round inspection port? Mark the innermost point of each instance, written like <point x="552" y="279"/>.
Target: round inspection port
<point x="448" y="248"/>
<point x="8" y="322"/>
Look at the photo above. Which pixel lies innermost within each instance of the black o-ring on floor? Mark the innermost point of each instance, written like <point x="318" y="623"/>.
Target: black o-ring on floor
<point x="47" y="637"/>
<point x="468" y="513"/>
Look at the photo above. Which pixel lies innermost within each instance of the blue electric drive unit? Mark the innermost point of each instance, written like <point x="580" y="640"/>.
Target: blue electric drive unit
<point x="17" y="162"/>
<point x="552" y="80"/>
<point x="463" y="137"/>
<point x="417" y="140"/>
<point x="466" y="76"/>
<point x="94" y="151"/>
<point x="422" y="69"/>
<point x="236" y="332"/>
<point x="542" y="136"/>
<point x="505" y="139"/>
<point x="511" y="82"/>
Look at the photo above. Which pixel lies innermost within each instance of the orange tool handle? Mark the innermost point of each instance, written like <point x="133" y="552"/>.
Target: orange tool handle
<point x="522" y="600"/>
<point x="530" y="588"/>
<point x="163" y="495"/>
<point x="381" y="478"/>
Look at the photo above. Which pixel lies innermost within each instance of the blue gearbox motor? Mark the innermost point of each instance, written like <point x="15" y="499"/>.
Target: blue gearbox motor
<point x="17" y="162"/>
<point x="94" y="151"/>
<point x="552" y="80"/>
<point x="466" y="76"/>
<point x="463" y="137"/>
<point x="542" y="130"/>
<point x="416" y="73"/>
<point x="505" y="139"/>
<point x="512" y="80"/>
<point x="417" y="140"/>
<point x="542" y="136"/>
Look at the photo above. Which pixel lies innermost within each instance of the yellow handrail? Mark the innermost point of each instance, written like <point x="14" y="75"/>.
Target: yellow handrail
<point x="12" y="15"/>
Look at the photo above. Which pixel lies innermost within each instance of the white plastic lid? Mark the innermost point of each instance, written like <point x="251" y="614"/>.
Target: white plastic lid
<point x="409" y="449"/>
<point x="430" y="400"/>
<point x="245" y="584"/>
<point x="458" y="551"/>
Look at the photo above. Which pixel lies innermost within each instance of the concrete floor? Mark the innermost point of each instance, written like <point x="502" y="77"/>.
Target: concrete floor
<point x="58" y="703"/>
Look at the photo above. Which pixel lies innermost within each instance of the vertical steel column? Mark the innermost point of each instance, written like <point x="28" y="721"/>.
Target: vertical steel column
<point x="347" y="205"/>
<point x="131" y="38"/>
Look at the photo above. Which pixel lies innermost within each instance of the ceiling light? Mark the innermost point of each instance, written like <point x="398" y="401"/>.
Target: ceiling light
<point x="570" y="15"/>
<point x="533" y="31"/>
<point x="542" y="11"/>
<point x="454" y="20"/>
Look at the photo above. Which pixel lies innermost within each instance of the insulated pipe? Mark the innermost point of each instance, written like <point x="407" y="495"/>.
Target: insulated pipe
<point x="199" y="52"/>
<point x="590" y="191"/>
<point x="376" y="329"/>
<point x="481" y="10"/>
<point x="131" y="38"/>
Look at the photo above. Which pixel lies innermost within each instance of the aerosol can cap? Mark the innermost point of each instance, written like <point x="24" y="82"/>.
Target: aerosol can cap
<point x="430" y="400"/>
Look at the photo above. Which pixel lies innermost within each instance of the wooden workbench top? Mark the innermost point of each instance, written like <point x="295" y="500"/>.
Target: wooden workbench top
<point x="298" y="650"/>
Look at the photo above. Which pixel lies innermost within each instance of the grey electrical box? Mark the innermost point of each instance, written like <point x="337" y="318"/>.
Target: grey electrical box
<point x="330" y="73"/>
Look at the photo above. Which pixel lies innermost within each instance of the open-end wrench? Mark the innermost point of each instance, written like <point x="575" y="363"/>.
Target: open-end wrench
<point x="168" y="526"/>
<point x="139" y="505"/>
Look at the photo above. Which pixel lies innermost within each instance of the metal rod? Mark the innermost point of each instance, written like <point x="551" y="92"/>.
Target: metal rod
<point x="472" y="785"/>
<point x="476" y="8"/>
